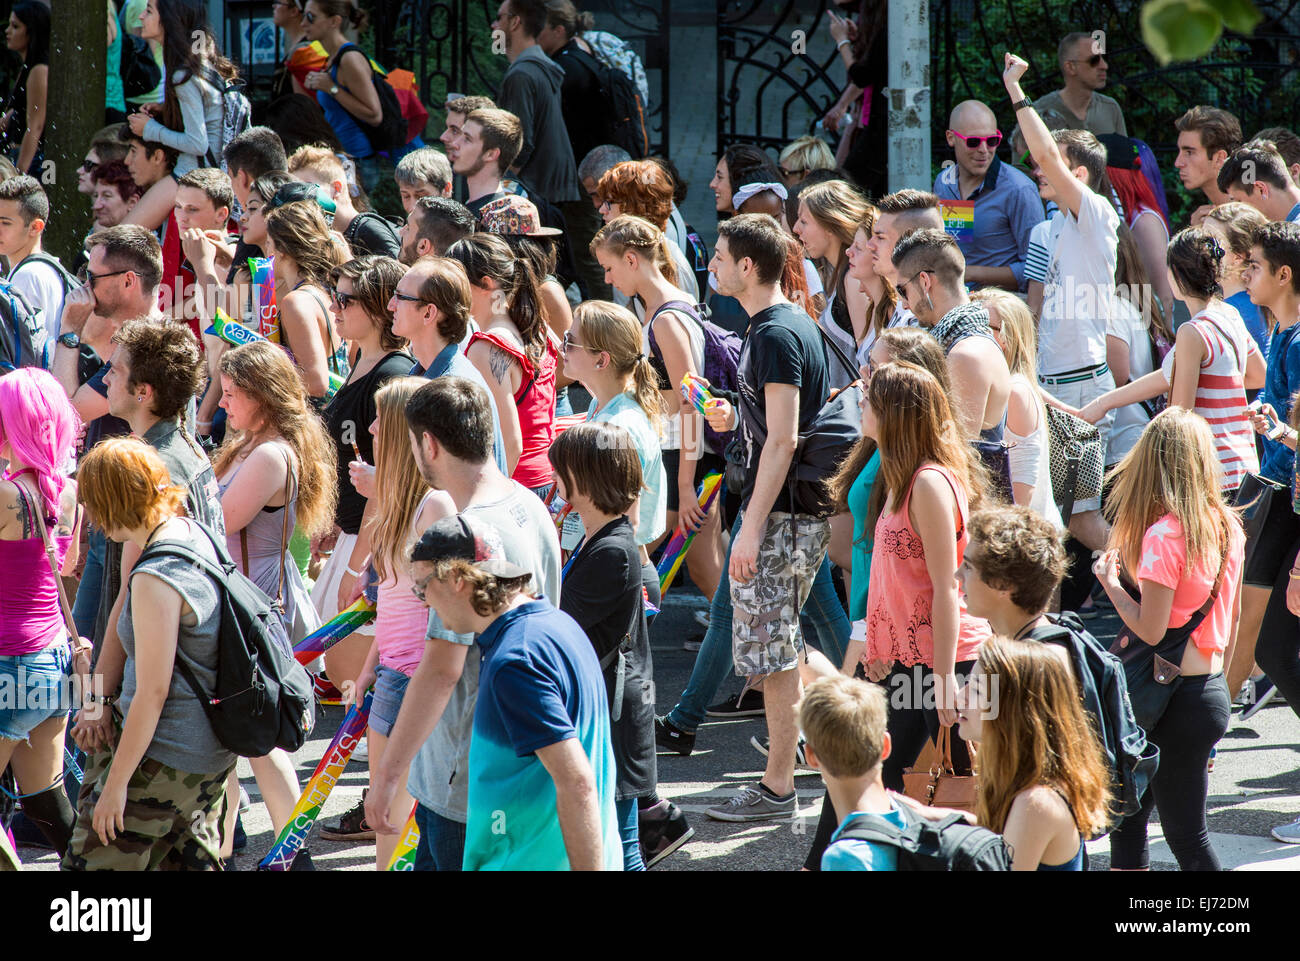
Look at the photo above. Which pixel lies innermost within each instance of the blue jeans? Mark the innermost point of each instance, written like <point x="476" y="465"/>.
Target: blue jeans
<point x="714" y="661"/>
<point x="442" y="841"/>
<point x="630" y="834"/>
<point x="86" y="607"/>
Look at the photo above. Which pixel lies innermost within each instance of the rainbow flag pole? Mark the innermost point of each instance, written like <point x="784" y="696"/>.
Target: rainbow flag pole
<point x="339" y="626"/>
<point x="403" y="858"/>
<point x="319" y="786"/>
<point x="675" y="551"/>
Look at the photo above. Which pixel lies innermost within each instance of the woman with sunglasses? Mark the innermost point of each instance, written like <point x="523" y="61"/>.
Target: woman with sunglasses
<point x="801" y="156"/>
<point x="359" y="294"/>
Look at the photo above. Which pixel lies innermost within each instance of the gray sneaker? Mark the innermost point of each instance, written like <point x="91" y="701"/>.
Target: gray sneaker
<point x="754" y="804"/>
<point x="1286" y="833"/>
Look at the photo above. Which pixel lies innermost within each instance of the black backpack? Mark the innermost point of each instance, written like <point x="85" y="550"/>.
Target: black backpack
<point x="948" y="845"/>
<point x="390" y="133"/>
<point x="621" y="109"/>
<point x="1104" y="685"/>
<point x="264" y="697"/>
<point x="139" y="70"/>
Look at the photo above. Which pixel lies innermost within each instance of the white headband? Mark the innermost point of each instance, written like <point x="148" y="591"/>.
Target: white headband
<point x="749" y="190"/>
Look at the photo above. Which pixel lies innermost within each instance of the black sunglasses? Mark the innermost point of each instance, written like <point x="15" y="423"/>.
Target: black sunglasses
<point x="1092" y="61"/>
<point x="91" y="276"/>
<point x="343" y="300"/>
<point x="406" y="297"/>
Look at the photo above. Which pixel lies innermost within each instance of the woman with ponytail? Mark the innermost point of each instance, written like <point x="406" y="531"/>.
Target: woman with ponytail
<point x="602" y="351"/>
<point x="152" y="800"/>
<point x="634" y="253"/>
<point x="514" y="350"/>
<point x="38" y="431"/>
<point x="1213" y="363"/>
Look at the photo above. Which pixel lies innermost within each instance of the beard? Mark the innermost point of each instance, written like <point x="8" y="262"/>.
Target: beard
<point x="474" y="170"/>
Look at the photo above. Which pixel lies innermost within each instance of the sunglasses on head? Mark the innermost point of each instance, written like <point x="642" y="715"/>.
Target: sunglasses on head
<point x="973" y="142"/>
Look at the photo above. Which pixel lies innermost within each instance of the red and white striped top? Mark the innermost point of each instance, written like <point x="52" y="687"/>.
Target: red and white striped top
<point x="1221" y="391"/>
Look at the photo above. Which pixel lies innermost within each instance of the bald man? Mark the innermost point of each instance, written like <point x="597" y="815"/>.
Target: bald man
<point x="1006" y="201"/>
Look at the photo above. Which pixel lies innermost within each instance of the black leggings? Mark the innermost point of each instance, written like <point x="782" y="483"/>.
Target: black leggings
<point x="909" y="729"/>
<point x="1197" y="716"/>
<point x="1277" y="651"/>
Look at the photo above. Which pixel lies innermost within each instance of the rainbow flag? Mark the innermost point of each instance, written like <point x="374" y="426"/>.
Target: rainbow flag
<point x="262" y="270"/>
<point x="319" y="786"/>
<point x="334" y="630"/>
<point x="403" y="858"/>
<point x="675" y="551"/>
<point x="694" y="390"/>
<point x="958" y="218"/>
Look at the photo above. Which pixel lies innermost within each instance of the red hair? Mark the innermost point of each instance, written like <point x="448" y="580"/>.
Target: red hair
<point x="1134" y="192"/>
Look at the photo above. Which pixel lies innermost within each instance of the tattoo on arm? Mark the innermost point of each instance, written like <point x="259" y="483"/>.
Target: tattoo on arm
<point x="499" y="363"/>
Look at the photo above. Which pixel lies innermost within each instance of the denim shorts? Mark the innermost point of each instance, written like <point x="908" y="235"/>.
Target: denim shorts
<point x="33" y="689"/>
<point x="390" y="688"/>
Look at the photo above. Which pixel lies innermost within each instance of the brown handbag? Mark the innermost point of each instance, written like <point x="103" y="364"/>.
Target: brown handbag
<point x="938" y="785"/>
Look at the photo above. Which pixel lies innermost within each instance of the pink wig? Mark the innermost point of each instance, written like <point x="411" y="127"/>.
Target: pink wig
<point x="40" y="425"/>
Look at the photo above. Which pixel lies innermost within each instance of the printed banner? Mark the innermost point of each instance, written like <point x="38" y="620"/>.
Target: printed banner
<point x="959" y="219"/>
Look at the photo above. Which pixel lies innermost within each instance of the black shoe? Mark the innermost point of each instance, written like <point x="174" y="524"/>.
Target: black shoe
<point x="748" y="704"/>
<point x="800" y="756"/>
<point x="238" y="840"/>
<point x="660" y="837"/>
<point x="672" y="738"/>
<point x="351" y="826"/>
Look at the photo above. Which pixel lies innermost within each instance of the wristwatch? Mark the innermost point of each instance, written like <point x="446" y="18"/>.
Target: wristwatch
<point x="70" y="340"/>
<point x="334" y="90"/>
<point x="1026" y="102"/>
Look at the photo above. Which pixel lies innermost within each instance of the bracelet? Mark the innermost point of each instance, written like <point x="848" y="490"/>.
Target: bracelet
<point x="1295" y="574"/>
<point x="203" y="423"/>
<point x="352" y="572"/>
<point x="842" y="43"/>
<point x="105" y="699"/>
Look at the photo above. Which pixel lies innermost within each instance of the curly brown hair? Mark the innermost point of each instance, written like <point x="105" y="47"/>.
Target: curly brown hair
<point x="641" y="188"/>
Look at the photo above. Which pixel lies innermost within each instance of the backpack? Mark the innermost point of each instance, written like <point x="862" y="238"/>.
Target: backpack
<point x="1132" y="759"/>
<point x="721" y="362"/>
<point x="952" y="844"/>
<point x="140" y="72"/>
<point x="698" y="255"/>
<point x="236" y="116"/>
<point x="24" y="338"/>
<point x="1159" y="348"/>
<point x="622" y="110"/>
<point x="821" y="447"/>
<point x="263" y="697"/>
<point x="619" y="54"/>
<point x="68" y="281"/>
<point x="390" y="133"/>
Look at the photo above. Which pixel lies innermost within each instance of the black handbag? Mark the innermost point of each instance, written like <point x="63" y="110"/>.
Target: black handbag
<point x="1154" y="671"/>
<point x="1264" y="505"/>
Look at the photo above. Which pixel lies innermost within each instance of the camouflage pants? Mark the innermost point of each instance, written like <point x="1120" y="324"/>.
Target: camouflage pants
<point x="171" y="817"/>
<point x="765" y="633"/>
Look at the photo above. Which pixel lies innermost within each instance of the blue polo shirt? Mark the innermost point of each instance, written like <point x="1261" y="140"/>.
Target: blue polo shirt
<point x="1281" y="380"/>
<point x="1007" y="208"/>
<point x="539" y="684"/>
<point x="450" y="361"/>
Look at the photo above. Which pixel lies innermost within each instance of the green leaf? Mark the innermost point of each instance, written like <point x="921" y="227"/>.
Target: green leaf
<point x="1179" y="29"/>
<point x="1239" y="15"/>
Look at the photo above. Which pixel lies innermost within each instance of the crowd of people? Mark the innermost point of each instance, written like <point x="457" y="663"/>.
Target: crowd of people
<point x="492" y="420"/>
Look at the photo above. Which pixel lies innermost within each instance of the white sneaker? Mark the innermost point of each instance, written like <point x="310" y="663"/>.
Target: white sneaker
<point x="361" y="752"/>
<point x="1288" y="833"/>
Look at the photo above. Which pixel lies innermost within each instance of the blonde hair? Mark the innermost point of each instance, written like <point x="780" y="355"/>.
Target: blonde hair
<point x="264" y="372"/>
<point x="805" y="154"/>
<point x="1039" y="737"/>
<point x="844" y="720"/>
<point x="1172" y="469"/>
<point x="1018" y="330"/>
<point x="318" y="159"/>
<point x="629" y="231"/>
<point x="607" y="327"/>
<point x="399" y="485"/>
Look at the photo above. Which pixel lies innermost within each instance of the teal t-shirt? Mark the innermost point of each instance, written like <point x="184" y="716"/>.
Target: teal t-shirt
<point x="539" y="684"/>
<point x="859" y="501"/>
<point x="856" y="855"/>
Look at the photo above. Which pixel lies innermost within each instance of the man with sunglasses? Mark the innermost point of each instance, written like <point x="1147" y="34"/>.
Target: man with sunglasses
<point x="1078" y="105"/>
<point x="1006" y="201"/>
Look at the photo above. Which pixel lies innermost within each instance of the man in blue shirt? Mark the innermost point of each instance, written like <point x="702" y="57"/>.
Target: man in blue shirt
<point x="1006" y="202"/>
<point x="541" y="763"/>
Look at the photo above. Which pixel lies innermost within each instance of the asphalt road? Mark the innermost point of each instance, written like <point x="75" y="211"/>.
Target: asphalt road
<point x="1255" y="783"/>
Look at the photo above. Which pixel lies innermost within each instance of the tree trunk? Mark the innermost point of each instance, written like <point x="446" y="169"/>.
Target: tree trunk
<point x="78" y="54"/>
<point x="910" y="95"/>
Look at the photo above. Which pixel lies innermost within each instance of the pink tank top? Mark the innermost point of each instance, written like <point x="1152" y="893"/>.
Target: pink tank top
<point x="401" y="619"/>
<point x="30" y="618"/>
<point x="900" y="596"/>
<point x="535" y="401"/>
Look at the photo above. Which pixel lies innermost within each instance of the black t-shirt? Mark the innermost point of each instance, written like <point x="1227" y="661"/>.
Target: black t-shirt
<point x="107" y="425"/>
<point x="347" y="418"/>
<point x="783" y="346"/>
<point x="477" y="205"/>
<point x="370" y="233"/>
<point x="580" y="100"/>
<point x="602" y="592"/>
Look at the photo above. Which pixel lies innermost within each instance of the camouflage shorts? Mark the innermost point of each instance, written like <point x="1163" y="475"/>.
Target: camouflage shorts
<point x="171" y="821"/>
<point x="765" y="633"/>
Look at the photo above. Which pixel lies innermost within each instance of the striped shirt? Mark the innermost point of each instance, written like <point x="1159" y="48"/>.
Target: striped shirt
<point x="1220" y="389"/>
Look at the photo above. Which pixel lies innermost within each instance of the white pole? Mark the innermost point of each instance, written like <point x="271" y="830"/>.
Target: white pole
<point x="909" y="94"/>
